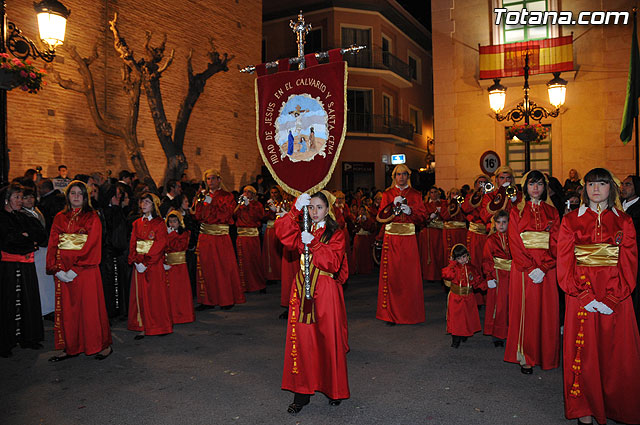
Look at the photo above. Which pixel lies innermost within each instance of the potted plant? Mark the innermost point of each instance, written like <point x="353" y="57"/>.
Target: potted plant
<point x="527" y="132"/>
<point x="17" y="73"/>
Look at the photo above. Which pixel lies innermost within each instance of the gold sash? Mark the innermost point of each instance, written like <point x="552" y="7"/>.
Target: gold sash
<point x="247" y="231"/>
<point x="460" y="290"/>
<point x="320" y="272"/>
<point x="400" y="229"/>
<point x="143" y="246"/>
<point x="175" y="258"/>
<point x="72" y="241"/>
<point x="436" y="224"/>
<point x="214" y="229"/>
<point x="597" y="254"/>
<point x="501" y="264"/>
<point x="271" y="224"/>
<point x="363" y="232"/>
<point x="535" y="240"/>
<point x="478" y="228"/>
<point x="455" y="225"/>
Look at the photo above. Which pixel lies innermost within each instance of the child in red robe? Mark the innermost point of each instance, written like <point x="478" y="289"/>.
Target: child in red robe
<point x="177" y="273"/>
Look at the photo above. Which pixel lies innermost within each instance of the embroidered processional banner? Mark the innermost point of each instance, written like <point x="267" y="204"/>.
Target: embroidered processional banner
<point x="301" y="121"/>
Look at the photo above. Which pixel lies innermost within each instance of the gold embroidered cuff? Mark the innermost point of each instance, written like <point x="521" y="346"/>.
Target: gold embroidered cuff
<point x="72" y="241"/>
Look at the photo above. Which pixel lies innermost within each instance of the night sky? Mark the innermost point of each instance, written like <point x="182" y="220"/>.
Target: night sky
<point x="420" y="9"/>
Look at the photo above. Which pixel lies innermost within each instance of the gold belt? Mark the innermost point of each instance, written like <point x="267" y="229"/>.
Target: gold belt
<point x="597" y="254"/>
<point x="400" y="229"/>
<point x="72" y="241"/>
<point x="501" y="264"/>
<point x="363" y="232"/>
<point x="436" y="224"/>
<point x="143" y="246"/>
<point x="271" y="224"/>
<point x="460" y="290"/>
<point x="478" y="228"/>
<point x="247" y="231"/>
<point x="455" y="225"/>
<point x="320" y="272"/>
<point x="535" y="240"/>
<point x="175" y="258"/>
<point x="214" y="229"/>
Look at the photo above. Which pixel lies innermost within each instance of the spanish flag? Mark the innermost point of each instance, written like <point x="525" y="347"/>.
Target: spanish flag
<point x="545" y="56"/>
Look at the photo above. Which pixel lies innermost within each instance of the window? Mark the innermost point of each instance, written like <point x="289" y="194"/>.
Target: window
<point x="357" y="36"/>
<point x="516" y="33"/>
<point x="359" y="117"/>
<point x="386" y="109"/>
<point x="313" y="41"/>
<point x="540" y="154"/>
<point x="415" y="67"/>
<point x="415" y="116"/>
<point x="264" y="50"/>
<point x="386" y="50"/>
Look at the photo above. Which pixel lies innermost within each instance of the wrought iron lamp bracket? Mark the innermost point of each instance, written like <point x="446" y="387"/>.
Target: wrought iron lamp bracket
<point x="22" y="47"/>
<point x="533" y="111"/>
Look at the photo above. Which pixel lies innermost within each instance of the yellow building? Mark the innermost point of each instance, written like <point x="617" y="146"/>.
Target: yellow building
<point x="583" y="136"/>
<point x="389" y="91"/>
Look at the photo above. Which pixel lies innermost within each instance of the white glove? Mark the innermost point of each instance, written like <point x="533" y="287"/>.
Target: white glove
<point x="537" y="275"/>
<point x="506" y="184"/>
<point x="207" y="199"/>
<point x="591" y="307"/>
<point x="140" y="267"/>
<point x="398" y="200"/>
<point x="166" y="266"/>
<point x="246" y="201"/>
<point x="63" y="276"/>
<point x="272" y="205"/>
<point x="602" y="308"/>
<point x="71" y="275"/>
<point x="514" y="198"/>
<point x="438" y="209"/>
<point x="405" y="209"/>
<point x="281" y="214"/>
<point x="302" y="201"/>
<point x="432" y="216"/>
<point x="492" y="283"/>
<point x="306" y="237"/>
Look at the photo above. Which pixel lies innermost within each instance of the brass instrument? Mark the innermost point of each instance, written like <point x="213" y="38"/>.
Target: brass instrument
<point x="511" y="191"/>
<point x="502" y="198"/>
<point x="397" y="208"/>
<point x="201" y="196"/>
<point x="487" y="187"/>
<point x="459" y="199"/>
<point x="240" y="199"/>
<point x="386" y="214"/>
<point x="376" y="249"/>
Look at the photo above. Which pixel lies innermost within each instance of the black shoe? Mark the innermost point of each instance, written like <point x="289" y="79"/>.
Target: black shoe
<point x="66" y="356"/>
<point x="284" y="315"/>
<point x="390" y="324"/>
<point x="498" y="343"/>
<point x="299" y="401"/>
<point x="335" y="402"/>
<point x="103" y="356"/>
<point x="464" y="339"/>
<point x="227" y="307"/>
<point x="138" y="337"/>
<point x="455" y="341"/>
<point x="203" y="307"/>
<point x="526" y="370"/>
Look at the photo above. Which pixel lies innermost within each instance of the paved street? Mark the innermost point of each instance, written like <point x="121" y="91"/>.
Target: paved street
<point x="226" y="369"/>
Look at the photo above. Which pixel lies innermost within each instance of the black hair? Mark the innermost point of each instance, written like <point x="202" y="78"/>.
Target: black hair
<point x="28" y="191"/>
<point x="501" y="214"/>
<point x="124" y="174"/>
<point x="147" y="195"/>
<point x="171" y="183"/>
<point x="458" y="251"/>
<point x="86" y="206"/>
<point x="46" y="186"/>
<point x="61" y="166"/>
<point x="330" y="226"/>
<point x="604" y="176"/>
<point x="534" y="176"/>
<point x="180" y="226"/>
<point x="10" y="189"/>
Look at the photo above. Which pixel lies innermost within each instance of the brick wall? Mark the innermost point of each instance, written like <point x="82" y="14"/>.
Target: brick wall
<point x="55" y="126"/>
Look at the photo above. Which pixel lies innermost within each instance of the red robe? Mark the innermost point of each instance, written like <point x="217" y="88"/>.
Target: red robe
<point x="487" y="215"/>
<point x="289" y="268"/>
<point x="609" y="379"/>
<point x="180" y="295"/>
<point x="271" y="250"/>
<point x="462" y="310"/>
<point x="316" y="353"/>
<point x="81" y="322"/>
<point x="534" y="323"/>
<point x="218" y="276"/>
<point x="430" y="243"/>
<point x="149" y="305"/>
<point x="476" y="237"/>
<point x="344" y="218"/>
<point x="453" y="236"/>
<point x="250" y="263"/>
<point x="362" y="246"/>
<point x="496" y="317"/>
<point x="400" y="294"/>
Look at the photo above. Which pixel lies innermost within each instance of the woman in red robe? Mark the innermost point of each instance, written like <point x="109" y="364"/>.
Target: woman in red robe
<point x="432" y="257"/>
<point x="175" y="265"/>
<point x="364" y="227"/>
<point x="149" y="305"/>
<point x="497" y="269"/>
<point x="73" y="256"/>
<point x="316" y="346"/>
<point x="597" y="266"/>
<point x="248" y="215"/>
<point x="534" y="326"/>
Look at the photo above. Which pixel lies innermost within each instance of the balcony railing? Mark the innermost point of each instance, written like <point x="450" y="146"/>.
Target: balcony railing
<point x="379" y="124"/>
<point x="376" y="58"/>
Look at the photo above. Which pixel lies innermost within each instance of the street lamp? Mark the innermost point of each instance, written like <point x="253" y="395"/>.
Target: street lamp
<point x="52" y="21"/>
<point x="527" y="109"/>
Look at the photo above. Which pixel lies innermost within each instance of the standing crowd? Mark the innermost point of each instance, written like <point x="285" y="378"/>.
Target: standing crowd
<point x="555" y="268"/>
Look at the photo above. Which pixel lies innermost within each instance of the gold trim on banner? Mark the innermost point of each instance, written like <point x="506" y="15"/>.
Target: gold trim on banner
<point x="400" y="229"/>
<point x="214" y="229"/>
<point x="535" y="240"/>
<point x="175" y="258"/>
<point x="326" y="179"/>
<point x="247" y="231"/>
<point x="143" y="246"/>
<point x="72" y="241"/>
<point x="597" y="254"/>
<point x="502" y="264"/>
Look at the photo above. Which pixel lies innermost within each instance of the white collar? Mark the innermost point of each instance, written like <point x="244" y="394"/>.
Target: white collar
<point x="170" y="229"/>
<point x="320" y="225"/>
<point x="402" y="188"/>
<point x="583" y="209"/>
<point x="148" y="217"/>
<point x="170" y="196"/>
<point x="627" y="204"/>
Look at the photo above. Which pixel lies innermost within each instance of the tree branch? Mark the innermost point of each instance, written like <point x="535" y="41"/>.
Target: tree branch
<point x="120" y="44"/>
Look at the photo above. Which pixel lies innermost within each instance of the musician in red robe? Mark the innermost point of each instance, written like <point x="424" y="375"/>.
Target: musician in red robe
<point x="477" y="233"/>
<point x="497" y="269"/>
<point x="597" y="266"/>
<point x="74" y="254"/>
<point x="248" y="215"/>
<point x="455" y="222"/>
<point x="175" y="265"/>
<point x="400" y="294"/>
<point x="365" y="225"/>
<point x="432" y="257"/>
<point x="218" y="276"/>
<point x="316" y="346"/>
<point x="149" y="305"/>
<point x="503" y="196"/>
<point x="533" y="337"/>
<point x="271" y="246"/>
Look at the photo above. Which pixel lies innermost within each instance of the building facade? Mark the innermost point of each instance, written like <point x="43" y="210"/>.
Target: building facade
<point x="389" y="89"/>
<point x="583" y="136"/>
<point x="55" y="126"/>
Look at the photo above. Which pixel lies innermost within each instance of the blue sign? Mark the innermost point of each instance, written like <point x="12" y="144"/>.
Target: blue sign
<point x="398" y="158"/>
